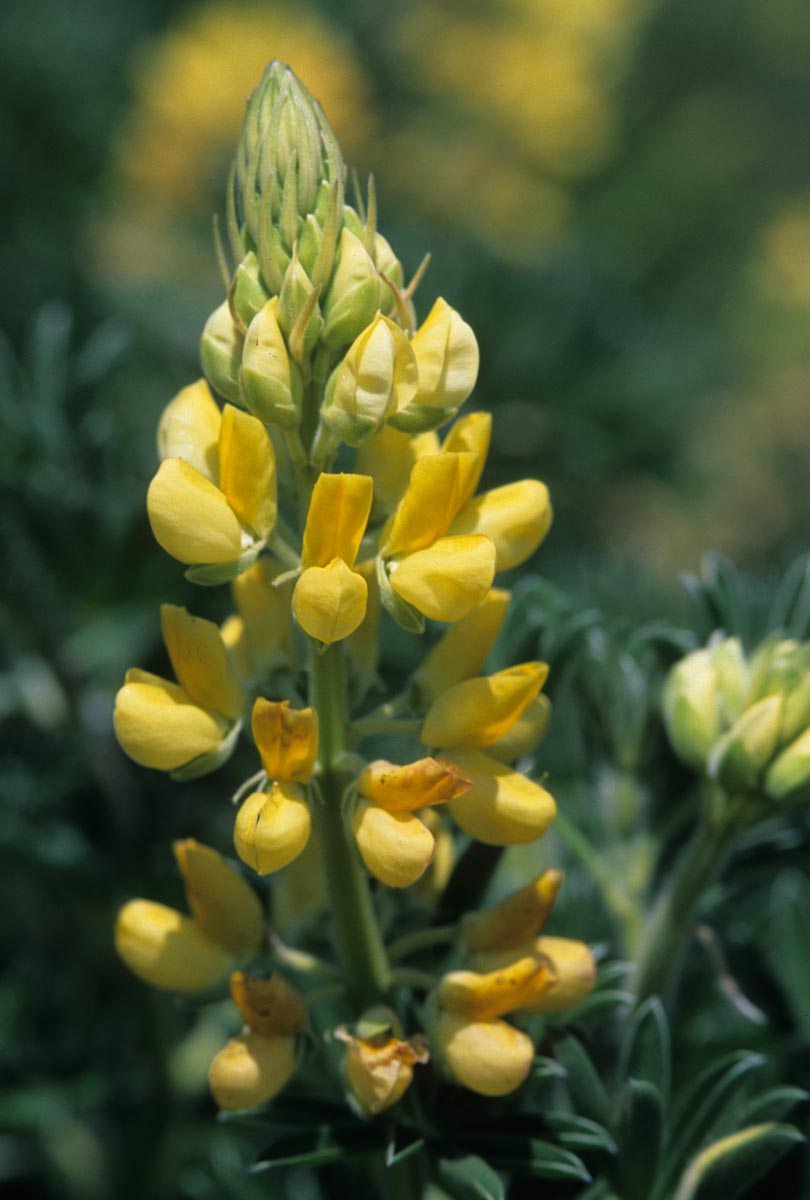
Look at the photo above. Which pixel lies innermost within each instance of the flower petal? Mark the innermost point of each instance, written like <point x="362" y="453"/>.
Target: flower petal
<point x="502" y="808"/>
<point x="449" y="579"/>
<point x="337" y="517"/>
<point x="396" y="847"/>
<point x="251" y="1070"/>
<point x="166" y="949"/>
<point x="272" y="828"/>
<point x="189" y="429"/>
<point x="286" y="738"/>
<point x="200" y="661"/>
<point x="438" y="487"/>
<point x="247" y="470"/>
<point x="491" y="1058"/>
<point x="159" y="726"/>
<point x="512" y="985"/>
<point x="225" y="907"/>
<point x="478" y="711"/>
<point x="329" y="602"/>
<point x="447" y="355"/>
<point x="417" y="785"/>
<point x="190" y="517"/>
<point x="516" y="517"/>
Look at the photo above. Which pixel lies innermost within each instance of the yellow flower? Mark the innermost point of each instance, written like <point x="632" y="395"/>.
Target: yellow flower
<point x="395" y="844"/>
<point x="389" y="458"/>
<point x="171" y="951"/>
<point x="270" y="382"/>
<point x="518" y="984"/>
<point x="191" y="726"/>
<point x="212" y="503"/>
<point x="515" y="517"/>
<point x="377" y="377"/>
<point x="461" y="652"/>
<point x="490" y="1057"/>
<point x="503" y="807"/>
<point x="268" y="1006"/>
<point x="379" y="1070"/>
<point x="446" y="355"/>
<point x="259" y="634"/>
<point x="571" y="964"/>
<point x="477" y="712"/>
<point x="516" y="919"/>
<point x="286" y="738"/>
<point x="329" y="601"/>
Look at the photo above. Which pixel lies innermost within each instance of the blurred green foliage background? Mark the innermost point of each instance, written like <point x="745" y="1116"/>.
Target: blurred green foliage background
<point x="617" y="197"/>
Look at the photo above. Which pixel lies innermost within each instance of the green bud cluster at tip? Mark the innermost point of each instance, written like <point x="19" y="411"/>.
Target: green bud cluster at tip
<point x="744" y="722"/>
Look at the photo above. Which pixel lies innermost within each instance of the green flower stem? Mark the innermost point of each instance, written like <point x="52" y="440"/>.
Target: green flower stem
<point x="357" y="935"/>
<point x="665" y="935"/>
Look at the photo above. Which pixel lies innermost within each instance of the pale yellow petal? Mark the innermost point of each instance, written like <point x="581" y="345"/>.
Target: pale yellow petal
<point x="463" y="649"/>
<point x="190" y="517"/>
<point x="389" y="458"/>
<point x="438" y="486"/>
<point x="189" y="429"/>
<point x="449" y="579"/>
<point x="396" y="847"/>
<point x="447" y="355"/>
<point x="471" y="433"/>
<point x="502" y="808"/>
<point x="491" y="1058"/>
<point x="247" y="470"/>
<point x="251" y="1070"/>
<point x="337" y="517"/>
<point x="158" y="726"/>
<point x="527" y="731"/>
<point x="166" y="949"/>
<point x="272" y="828"/>
<point x="265" y="610"/>
<point x="225" y="907"/>
<point x="476" y="712"/>
<point x="330" y="602"/>
<point x="200" y="661"/>
<point x="516" y="517"/>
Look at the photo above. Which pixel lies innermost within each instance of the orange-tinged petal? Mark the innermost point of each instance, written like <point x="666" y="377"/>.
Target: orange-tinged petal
<point x="502" y="808"/>
<point x="516" y="919"/>
<point x="271" y="1006"/>
<point x="329" y="602"/>
<point x="491" y="1058"/>
<point x="200" y="661"/>
<point x="417" y="785"/>
<point x="463" y="649"/>
<point x="247" y="470"/>
<point x="516" y="517"/>
<point x="286" y="738"/>
<point x="189" y="429"/>
<point x="480" y="997"/>
<point x="225" y="907"/>
<point x="379" y="1075"/>
<point x="396" y="847"/>
<point x="159" y="726"/>
<point x="190" y="517"/>
<point x="448" y="580"/>
<point x="476" y="712"/>
<point x="337" y="517"/>
<point x="572" y="964"/>
<point x="272" y="828"/>
<point x="251" y="1070"/>
<point x="166" y="949"/>
<point x="437" y="488"/>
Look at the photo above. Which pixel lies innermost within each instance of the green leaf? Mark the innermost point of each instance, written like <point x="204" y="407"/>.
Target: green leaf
<point x="772" y="1105"/>
<point x="578" y="1133"/>
<point x="403" y="1143"/>
<point x="786" y="941"/>
<point x="646" y="1051"/>
<point x="470" y="1178"/>
<point x="584" y="1085"/>
<point x="522" y="1154"/>
<point x="595" y="1006"/>
<point x="320" y="1146"/>
<point x="641" y="1136"/>
<point x="730" y="1166"/>
<point x="547" y="1068"/>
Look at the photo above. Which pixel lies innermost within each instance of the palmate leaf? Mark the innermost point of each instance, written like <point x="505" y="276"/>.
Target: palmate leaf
<point x="728" y="1167"/>
<point x="470" y="1178"/>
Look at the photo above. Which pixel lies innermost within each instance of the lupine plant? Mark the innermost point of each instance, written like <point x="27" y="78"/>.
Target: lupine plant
<point x="394" y="1012"/>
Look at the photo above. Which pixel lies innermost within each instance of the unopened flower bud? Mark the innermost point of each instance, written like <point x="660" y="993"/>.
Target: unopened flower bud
<point x="353" y="295"/>
<point x="271" y="384"/>
<point x="788" y="777"/>
<point x="447" y="358"/>
<point x="248" y="293"/>
<point x="221" y="349"/>
<point x="272" y="828"/>
<point x="739" y="757"/>
<point x="690" y="707"/>
<point x="377" y="376"/>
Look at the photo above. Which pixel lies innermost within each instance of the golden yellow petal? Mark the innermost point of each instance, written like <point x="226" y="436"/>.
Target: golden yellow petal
<point x="286" y="738"/>
<point x="463" y="649"/>
<point x="271" y="1006"/>
<point x="527" y="731"/>
<point x="265" y="610"/>
<point x="272" y="828"/>
<point x="491" y="1058"/>
<point x="378" y="1075"/>
<point x="166" y="949"/>
<point x="247" y="470"/>
<point x="502" y="808"/>
<point x="449" y="579"/>
<point x="471" y="433"/>
<point x="417" y="785"/>
<point x="225" y="907"/>
<point x="337" y="517"/>
<point x="329" y="602"/>
<point x="571" y="962"/>
<point x="516" y="919"/>
<point x="159" y="726"/>
<point x="189" y="429"/>
<point x="447" y="355"/>
<point x="251" y="1070"/>
<point x="438" y="486"/>
<point x="190" y="518"/>
<point x="516" y="517"/>
<point x="200" y="661"/>
<point x="478" y="711"/>
<point x="396" y="847"/>
<point x="389" y="458"/>
<point x="480" y="997"/>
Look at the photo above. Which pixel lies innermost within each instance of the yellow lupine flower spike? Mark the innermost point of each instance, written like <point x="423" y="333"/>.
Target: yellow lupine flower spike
<point x="268" y="1006"/>
<point x="189" y="728"/>
<point x="476" y="712"/>
<point x="418" y="785"/>
<point x="272" y="828"/>
<point x="516" y="517"/>
<point x="380" y="1070"/>
<point x="516" y="919"/>
<point x="491" y="1058"/>
<point x="330" y="598"/>
<point x="480" y="997"/>
<point x="166" y="949"/>
<point x="225" y="907"/>
<point x="461" y="652"/>
<point x="286" y="738"/>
